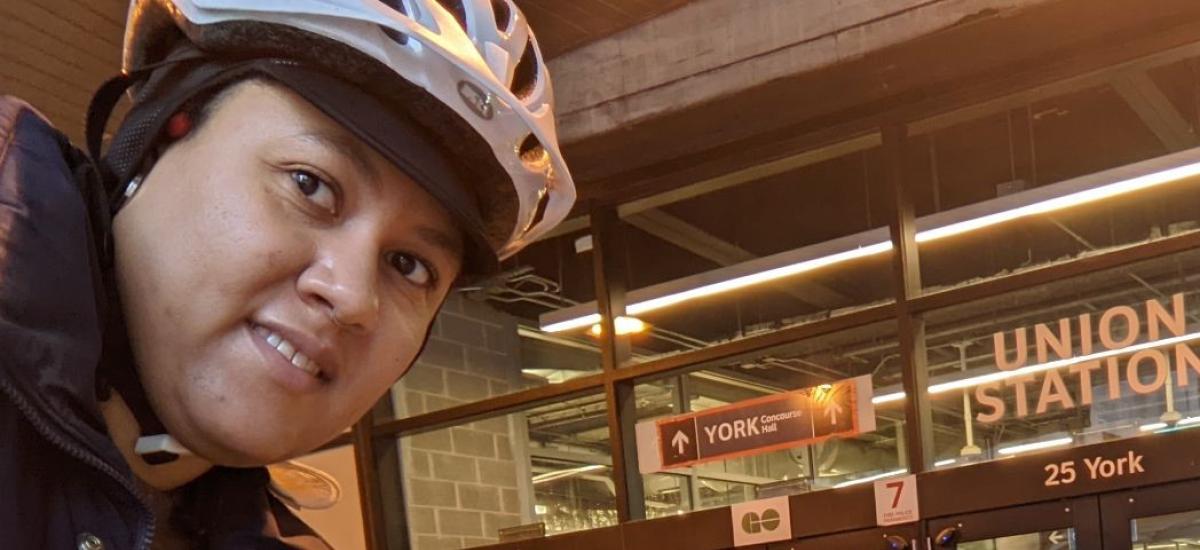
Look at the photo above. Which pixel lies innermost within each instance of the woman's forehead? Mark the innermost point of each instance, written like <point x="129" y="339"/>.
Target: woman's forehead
<point x="270" y="114"/>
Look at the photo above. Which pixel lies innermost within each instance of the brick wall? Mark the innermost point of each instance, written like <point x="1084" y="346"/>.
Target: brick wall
<point x="463" y="483"/>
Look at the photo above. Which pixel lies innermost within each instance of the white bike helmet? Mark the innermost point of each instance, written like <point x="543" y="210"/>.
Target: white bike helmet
<point x="454" y="91"/>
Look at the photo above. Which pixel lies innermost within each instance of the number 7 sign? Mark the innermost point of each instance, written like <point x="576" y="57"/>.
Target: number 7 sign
<point x="897" y="486"/>
<point x="896" y="500"/>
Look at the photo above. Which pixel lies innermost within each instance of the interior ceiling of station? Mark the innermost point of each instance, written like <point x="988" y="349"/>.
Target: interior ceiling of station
<point x="1135" y="113"/>
<point x="1075" y="131"/>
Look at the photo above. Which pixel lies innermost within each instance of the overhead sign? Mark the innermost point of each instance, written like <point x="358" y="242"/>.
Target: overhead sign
<point x="1094" y="468"/>
<point x="761" y="521"/>
<point x="896" y="501"/>
<point x="759" y="425"/>
<point x="1132" y="351"/>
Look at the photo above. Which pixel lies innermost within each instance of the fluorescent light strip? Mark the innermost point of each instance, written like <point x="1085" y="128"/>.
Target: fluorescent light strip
<point x="756" y="278"/>
<point x="1026" y="447"/>
<point x="1004" y="375"/>
<point x="1065" y="201"/>
<point x="726" y="286"/>
<point x="585" y="321"/>
<point x="1040" y="207"/>
<point x="945" y="462"/>
<point x="1163" y="427"/>
<point x="569" y="472"/>
<point x="869" y="479"/>
<point x="887" y="398"/>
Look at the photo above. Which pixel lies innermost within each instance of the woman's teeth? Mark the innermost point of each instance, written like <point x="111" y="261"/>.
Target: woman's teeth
<point x="288" y="351"/>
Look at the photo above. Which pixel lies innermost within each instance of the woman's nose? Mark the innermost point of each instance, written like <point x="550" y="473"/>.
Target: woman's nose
<point x="343" y="279"/>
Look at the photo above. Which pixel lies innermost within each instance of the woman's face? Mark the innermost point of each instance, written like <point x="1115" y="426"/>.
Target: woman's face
<point x="277" y="275"/>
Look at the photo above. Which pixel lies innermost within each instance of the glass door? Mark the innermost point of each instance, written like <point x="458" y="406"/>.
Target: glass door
<point x="900" y="537"/>
<point x="1162" y="517"/>
<point x="1062" y="525"/>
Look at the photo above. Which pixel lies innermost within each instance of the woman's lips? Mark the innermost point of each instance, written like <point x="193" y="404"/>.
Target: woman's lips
<point x="279" y="364"/>
<point x="289" y="351"/>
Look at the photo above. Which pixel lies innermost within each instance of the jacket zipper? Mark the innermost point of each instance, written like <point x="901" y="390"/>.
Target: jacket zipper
<point x="145" y="528"/>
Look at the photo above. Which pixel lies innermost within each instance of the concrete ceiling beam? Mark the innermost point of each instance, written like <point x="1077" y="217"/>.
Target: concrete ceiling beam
<point x="1155" y="110"/>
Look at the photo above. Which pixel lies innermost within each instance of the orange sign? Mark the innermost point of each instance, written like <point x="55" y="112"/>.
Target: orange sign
<point x="768" y="423"/>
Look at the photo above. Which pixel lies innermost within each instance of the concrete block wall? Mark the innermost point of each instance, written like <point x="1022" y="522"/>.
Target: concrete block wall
<point x="462" y="484"/>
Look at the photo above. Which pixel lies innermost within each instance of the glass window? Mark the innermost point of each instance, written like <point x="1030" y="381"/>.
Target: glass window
<point x="779" y="244"/>
<point x="548" y="464"/>
<point x="1179" y="531"/>
<point x="868" y="350"/>
<point x="1101" y="356"/>
<point x="991" y="176"/>
<point x="1047" y="540"/>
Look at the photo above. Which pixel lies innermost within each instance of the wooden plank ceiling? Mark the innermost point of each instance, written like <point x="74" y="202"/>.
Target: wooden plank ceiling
<point x="55" y="53"/>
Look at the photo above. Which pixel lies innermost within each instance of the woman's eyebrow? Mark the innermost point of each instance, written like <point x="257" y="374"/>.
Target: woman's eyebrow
<point x="344" y="146"/>
<point x="449" y="243"/>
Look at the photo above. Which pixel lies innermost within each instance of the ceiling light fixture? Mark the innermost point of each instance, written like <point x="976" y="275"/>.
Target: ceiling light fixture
<point x="888" y="398"/>
<point x="1036" y="446"/>
<point x="1066" y="201"/>
<point x="869" y="479"/>
<point x="567" y="473"/>
<point x="1039" y="200"/>
<point x="1163" y="427"/>
<point x="719" y="287"/>
<point x="625" y="325"/>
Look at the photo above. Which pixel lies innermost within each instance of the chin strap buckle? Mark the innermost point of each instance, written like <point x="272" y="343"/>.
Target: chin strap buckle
<point x="159" y="449"/>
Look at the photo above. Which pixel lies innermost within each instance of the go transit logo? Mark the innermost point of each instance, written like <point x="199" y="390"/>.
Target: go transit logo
<point x="753" y="523"/>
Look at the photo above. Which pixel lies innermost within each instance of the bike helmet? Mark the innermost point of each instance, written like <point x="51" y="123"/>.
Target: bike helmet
<point x="455" y="92"/>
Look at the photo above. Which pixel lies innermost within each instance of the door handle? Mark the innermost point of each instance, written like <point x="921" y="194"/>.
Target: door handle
<point x="947" y="538"/>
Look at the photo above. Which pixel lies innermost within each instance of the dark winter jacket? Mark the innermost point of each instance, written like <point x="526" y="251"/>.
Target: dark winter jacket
<point x="63" y="484"/>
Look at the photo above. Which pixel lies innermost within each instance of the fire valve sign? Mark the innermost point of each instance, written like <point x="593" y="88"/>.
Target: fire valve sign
<point x="896" y="501"/>
<point x="768" y="423"/>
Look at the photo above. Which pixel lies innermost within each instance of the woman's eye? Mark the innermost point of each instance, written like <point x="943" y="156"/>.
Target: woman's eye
<point x="412" y="268"/>
<point x="315" y="189"/>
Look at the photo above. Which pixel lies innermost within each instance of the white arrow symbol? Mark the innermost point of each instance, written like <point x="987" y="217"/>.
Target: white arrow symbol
<point x="832" y="411"/>
<point x="680" y="441"/>
<point x="1055" y="537"/>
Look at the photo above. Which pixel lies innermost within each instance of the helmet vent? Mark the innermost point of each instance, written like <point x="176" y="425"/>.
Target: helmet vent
<point x="396" y="36"/>
<point x="397" y="5"/>
<point x="525" y="73"/>
<point x="533" y="154"/>
<point x="539" y="213"/>
<point x="456" y="7"/>
<point x="503" y="13"/>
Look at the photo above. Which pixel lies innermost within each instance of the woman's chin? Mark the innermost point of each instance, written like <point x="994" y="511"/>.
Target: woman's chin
<point x="244" y="449"/>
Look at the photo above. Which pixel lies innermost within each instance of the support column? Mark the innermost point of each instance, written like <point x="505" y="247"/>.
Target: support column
<point x="918" y="424"/>
<point x="608" y="261"/>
